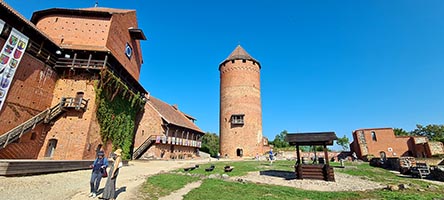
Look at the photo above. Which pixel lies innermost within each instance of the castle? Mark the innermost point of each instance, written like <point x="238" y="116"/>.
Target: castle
<point x="240" y="106"/>
<point x="70" y="82"/>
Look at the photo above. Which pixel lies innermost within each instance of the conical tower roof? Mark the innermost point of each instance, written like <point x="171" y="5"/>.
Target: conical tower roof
<point x="239" y="53"/>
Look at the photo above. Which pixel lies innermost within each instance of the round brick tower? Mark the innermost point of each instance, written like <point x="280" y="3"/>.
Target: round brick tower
<point x="240" y="127"/>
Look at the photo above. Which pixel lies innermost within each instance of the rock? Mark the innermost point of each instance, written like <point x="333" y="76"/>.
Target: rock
<point x="214" y="176"/>
<point x="392" y="187"/>
<point x="432" y="187"/>
<point x="225" y="176"/>
<point x="404" y="186"/>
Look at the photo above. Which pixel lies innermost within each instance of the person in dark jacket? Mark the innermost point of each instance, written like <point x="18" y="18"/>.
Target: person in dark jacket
<point x="98" y="168"/>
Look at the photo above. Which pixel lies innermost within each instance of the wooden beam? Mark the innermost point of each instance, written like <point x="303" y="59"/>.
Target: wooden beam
<point x="298" y="162"/>
<point x="326" y="154"/>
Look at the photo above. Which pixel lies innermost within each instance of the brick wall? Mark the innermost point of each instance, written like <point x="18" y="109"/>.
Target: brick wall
<point x="150" y="124"/>
<point x="384" y="141"/>
<point x="68" y="30"/>
<point x="77" y="133"/>
<point x="30" y="93"/>
<point x="436" y="148"/>
<point x="119" y="36"/>
<point x="170" y="152"/>
<point x="240" y="94"/>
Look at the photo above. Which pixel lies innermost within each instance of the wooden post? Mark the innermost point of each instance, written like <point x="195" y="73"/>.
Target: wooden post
<point x="326" y="155"/>
<point x="298" y="162"/>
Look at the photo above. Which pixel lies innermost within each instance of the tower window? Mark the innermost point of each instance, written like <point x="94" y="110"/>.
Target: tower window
<point x="374" y="136"/>
<point x="237" y="119"/>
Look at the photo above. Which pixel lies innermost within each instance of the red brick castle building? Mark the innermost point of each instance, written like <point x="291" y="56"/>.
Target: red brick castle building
<point x="70" y="81"/>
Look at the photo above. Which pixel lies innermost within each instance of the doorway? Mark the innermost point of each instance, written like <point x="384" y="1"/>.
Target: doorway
<point x="52" y="144"/>
<point x="239" y="152"/>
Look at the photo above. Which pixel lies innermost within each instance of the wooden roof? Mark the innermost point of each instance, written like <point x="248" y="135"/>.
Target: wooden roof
<point x="172" y="115"/>
<point x="319" y="138"/>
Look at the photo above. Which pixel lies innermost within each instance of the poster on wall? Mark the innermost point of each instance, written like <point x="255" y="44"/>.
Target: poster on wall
<point x="10" y="57"/>
<point x="2" y="24"/>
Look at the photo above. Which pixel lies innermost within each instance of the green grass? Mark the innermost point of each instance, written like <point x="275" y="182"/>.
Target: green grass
<point x="219" y="189"/>
<point x="241" y="168"/>
<point x="377" y="174"/>
<point x="163" y="184"/>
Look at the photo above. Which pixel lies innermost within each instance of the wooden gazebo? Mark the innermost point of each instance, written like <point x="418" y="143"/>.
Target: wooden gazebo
<point x="321" y="171"/>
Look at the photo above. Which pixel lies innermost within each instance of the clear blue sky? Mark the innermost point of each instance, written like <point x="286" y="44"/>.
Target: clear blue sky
<point x="326" y="65"/>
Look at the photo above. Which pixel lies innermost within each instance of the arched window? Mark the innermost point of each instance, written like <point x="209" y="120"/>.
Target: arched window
<point x="374" y="136"/>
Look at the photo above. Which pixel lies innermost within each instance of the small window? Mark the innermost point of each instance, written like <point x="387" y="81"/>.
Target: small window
<point x="33" y="135"/>
<point x="374" y="136"/>
<point x="237" y="119"/>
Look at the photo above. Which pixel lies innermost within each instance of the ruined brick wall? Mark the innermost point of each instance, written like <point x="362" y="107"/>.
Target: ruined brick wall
<point x="69" y="30"/>
<point x="30" y="93"/>
<point x="384" y="141"/>
<point x="240" y="94"/>
<point x="77" y="133"/>
<point x="435" y="148"/>
<point x="119" y="36"/>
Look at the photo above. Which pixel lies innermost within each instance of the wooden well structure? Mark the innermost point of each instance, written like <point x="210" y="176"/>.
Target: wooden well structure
<point x="321" y="171"/>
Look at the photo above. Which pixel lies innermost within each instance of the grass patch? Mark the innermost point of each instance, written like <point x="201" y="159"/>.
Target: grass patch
<point x="380" y="175"/>
<point x="163" y="184"/>
<point x="241" y="168"/>
<point x="219" y="189"/>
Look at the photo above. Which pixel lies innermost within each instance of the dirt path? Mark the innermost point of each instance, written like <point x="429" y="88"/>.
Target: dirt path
<point x="178" y="195"/>
<point x="75" y="185"/>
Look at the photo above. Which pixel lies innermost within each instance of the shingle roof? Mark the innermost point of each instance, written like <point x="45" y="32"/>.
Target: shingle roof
<point x="318" y="138"/>
<point x="172" y="115"/>
<point x="239" y="53"/>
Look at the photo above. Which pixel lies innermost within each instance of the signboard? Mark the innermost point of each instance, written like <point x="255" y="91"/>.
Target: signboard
<point x="2" y="24"/>
<point x="10" y="57"/>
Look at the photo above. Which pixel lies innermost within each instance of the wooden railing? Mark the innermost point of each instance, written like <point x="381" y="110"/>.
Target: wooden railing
<point x="145" y="145"/>
<point x="45" y="116"/>
<point x="76" y="63"/>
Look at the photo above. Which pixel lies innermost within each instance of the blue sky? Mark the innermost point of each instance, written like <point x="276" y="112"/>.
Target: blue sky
<point x="326" y="65"/>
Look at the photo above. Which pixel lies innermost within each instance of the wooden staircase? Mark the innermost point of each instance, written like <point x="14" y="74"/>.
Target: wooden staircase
<point x="45" y="116"/>
<point x="145" y="146"/>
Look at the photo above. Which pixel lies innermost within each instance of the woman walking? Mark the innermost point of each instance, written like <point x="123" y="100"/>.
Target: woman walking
<point x="110" y="188"/>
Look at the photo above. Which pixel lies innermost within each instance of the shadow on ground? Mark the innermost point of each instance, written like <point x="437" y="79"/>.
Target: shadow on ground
<point x="287" y="175"/>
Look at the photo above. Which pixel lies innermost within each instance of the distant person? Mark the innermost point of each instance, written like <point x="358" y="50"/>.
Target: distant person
<point x="271" y="156"/>
<point x="257" y="156"/>
<point x="98" y="169"/>
<point x="110" y="188"/>
<point x="218" y="155"/>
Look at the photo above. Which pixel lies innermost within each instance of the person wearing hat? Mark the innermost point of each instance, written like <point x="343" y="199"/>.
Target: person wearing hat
<point x="98" y="168"/>
<point x="110" y="188"/>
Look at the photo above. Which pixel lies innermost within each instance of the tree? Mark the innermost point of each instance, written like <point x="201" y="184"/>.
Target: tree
<point x="401" y="132"/>
<point x="279" y="140"/>
<point x="433" y="132"/>
<point x="343" y="142"/>
<point x="210" y="144"/>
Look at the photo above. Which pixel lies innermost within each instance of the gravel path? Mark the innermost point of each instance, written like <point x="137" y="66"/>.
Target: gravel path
<point x="75" y="185"/>
<point x="343" y="182"/>
<point x="178" y="195"/>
